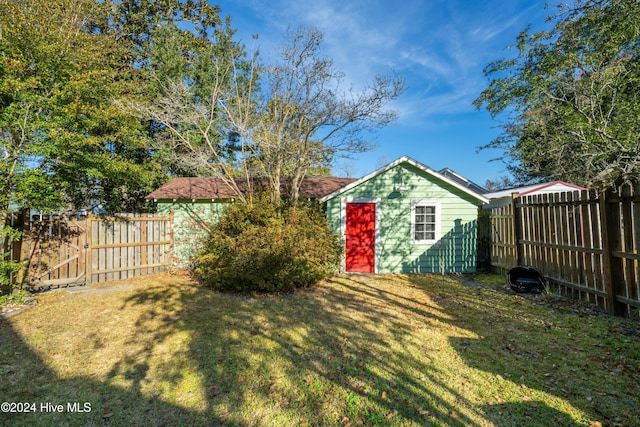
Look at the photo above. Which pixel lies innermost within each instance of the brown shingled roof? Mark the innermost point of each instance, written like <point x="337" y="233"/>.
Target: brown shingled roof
<point x="215" y="188"/>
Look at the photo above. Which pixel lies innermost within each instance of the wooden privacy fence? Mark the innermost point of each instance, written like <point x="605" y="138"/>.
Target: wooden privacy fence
<point x="588" y="244"/>
<point x="66" y="251"/>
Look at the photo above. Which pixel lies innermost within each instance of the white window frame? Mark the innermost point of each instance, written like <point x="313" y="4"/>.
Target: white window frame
<point x="425" y="202"/>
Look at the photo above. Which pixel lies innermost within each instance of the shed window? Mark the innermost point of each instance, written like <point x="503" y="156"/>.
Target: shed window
<point x="425" y="221"/>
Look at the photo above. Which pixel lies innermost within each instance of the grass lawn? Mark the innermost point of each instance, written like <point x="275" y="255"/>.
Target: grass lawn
<point x="356" y="350"/>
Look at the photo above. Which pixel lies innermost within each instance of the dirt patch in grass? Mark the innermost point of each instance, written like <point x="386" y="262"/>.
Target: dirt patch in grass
<point x="356" y="350"/>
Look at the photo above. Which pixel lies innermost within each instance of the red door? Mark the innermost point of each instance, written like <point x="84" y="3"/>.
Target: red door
<point x="361" y="236"/>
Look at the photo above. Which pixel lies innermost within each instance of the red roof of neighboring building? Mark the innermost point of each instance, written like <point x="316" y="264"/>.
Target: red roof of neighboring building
<point x="216" y="188"/>
<point x="550" y="186"/>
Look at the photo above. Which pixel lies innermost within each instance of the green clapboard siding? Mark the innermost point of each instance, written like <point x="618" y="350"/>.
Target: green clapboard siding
<point x="191" y="221"/>
<point x="394" y="250"/>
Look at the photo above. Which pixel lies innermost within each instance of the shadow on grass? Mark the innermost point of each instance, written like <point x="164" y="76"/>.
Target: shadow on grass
<point x="503" y="413"/>
<point x="579" y="359"/>
<point x="355" y="351"/>
<point x="321" y="356"/>
<point x="43" y="398"/>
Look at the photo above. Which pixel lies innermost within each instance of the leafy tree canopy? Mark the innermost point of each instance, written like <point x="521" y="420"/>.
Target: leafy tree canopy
<point x="63" y="66"/>
<point x="64" y="144"/>
<point x="569" y="97"/>
<point x="177" y="43"/>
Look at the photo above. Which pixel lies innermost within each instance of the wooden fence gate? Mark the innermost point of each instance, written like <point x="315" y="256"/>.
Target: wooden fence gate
<point x="69" y="251"/>
<point x="56" y="251"/>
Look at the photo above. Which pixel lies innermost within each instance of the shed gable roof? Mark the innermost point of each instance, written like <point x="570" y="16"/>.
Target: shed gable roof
<point x="216" y="188"/>
<point x="416" y="164"/>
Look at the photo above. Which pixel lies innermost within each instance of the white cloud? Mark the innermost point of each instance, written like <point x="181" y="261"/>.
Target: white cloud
<point x="486" y="31"/>
<point x="440" y="47"/>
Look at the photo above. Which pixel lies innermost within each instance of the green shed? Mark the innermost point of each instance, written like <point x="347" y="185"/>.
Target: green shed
<point x="198" y="202"/>
<point x="406" y="217"/>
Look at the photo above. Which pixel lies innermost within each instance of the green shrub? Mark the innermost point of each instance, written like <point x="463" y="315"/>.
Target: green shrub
<point x="266" y="248"/>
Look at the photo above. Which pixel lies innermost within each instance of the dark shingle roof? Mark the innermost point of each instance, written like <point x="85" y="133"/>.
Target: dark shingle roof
<point x="216" y="188"/>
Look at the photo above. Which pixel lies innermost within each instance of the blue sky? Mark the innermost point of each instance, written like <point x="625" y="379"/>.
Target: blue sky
<point x="439" y="47"/>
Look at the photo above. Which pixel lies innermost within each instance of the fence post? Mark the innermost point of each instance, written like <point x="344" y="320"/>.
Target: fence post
<point x="144" y="254"/>
<point x="88" y="265"/>
<point x="612" y="268"/>
<point x="517" y="227"/>
<point x="171" y="254"/>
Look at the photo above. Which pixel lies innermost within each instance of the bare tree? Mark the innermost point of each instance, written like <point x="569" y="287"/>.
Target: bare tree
<point x="500" y="183"/>
<point x="297" y="120"/>
<point x="304" y="118"/>
<point x="194" y="128"/>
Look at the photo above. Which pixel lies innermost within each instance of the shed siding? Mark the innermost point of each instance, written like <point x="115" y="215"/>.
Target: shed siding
<point x="190" y="224"/>
<point x="458" y="226"/>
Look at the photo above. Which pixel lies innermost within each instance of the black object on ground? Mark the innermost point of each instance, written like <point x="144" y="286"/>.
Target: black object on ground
<point x="525" y="279"/>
